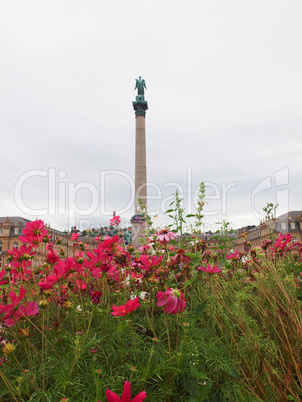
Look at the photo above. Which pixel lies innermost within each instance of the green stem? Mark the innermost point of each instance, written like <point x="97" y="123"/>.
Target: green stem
<point x="23" y="371"/>
<point x="6" y="382"/>
<point x="78" y="352"/>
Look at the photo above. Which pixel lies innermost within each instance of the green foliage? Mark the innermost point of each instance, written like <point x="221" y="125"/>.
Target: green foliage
<point x="238" y="339"/>
<point x="225" y="238"/>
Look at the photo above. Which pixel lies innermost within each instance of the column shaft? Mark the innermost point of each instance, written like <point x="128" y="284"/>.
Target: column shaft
<point x="140" y="162"/>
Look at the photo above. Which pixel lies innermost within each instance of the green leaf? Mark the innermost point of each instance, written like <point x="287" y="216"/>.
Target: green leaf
<point x="198" y="374"/>
<point x="190" y="216"/>
<point x="200" y="308"/>
<point x="233" y="372"/>
<point x="191" y="255"/>
<point x="191" y="281"/>
<point x="169" y="211"/>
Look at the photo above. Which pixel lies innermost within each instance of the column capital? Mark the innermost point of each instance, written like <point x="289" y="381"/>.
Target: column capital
<point x="140" y="106"/>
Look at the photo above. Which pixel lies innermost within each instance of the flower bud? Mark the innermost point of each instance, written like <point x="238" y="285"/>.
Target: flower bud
<point x="8" y="349"/>
<point x="23" y="333"/>
<point x="67" y="305"/>
<point x="43" y="304"/>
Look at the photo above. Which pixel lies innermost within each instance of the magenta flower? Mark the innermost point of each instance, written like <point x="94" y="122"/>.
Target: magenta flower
<point x="212" y="269"/>
<point x="75" y="236"/>
<point x="2" y="274"/>
<point x="233" y="256"/>
<point x="148" y="263"/>
<point x="126" y="395"/>
<point x="15" y="301"/>
<point x="115" y="221"/>
<point x="30" y="310"/>
<point x="172" y="299"/>
<point x="59" y="271"/>
<point x="126" y="308"/>
<point x="34" y="232"/>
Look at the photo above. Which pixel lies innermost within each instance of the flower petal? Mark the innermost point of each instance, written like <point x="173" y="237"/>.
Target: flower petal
<point x="140" y="397"/>
<point x="126" y="395"/>
<point x="112" y="396"/>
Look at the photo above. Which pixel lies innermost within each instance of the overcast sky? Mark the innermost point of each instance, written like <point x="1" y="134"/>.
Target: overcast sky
<point x="224" y="89"/>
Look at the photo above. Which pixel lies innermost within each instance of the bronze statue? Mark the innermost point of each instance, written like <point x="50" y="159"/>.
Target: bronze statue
<point x="140" y="85"/>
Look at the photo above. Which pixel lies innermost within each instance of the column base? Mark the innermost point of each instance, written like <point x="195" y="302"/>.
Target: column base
<point x="138" y="226"/>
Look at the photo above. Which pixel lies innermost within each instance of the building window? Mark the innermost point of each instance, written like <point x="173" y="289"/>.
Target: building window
<point x="292" y="225"/>
<point x="294" y="240"/>
<point x="283" y="225"/>
<point x="0" y="246"/>
<point x="17" y="231"/>
<point x="15" y="244"/>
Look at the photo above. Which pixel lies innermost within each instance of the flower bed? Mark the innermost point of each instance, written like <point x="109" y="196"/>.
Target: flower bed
<point x="168" y="324"/>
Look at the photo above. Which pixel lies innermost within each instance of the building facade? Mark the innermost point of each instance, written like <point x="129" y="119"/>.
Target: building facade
<point x="12" y="227"/>
<point x="291" y="222"/>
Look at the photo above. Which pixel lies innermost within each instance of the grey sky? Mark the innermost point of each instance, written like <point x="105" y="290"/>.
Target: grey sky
<point x="224" y="93"/>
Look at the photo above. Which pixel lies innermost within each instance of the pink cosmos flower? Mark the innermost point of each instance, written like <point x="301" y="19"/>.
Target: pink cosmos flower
<point x="282" y="245"/>
<point x="95" y="297"/>
<point x="75" y="236"/>
<point x="34" y="232"/>
<point x="233" y="256"/>
<point x="126" y="308"/>
<point x="2" y="273"/>
<point x="15" y="301"/>
<point x="172" y="299"/>
<point x="144" y="248"/>
<point x="52" y="257"/>
<point x="148" y="263"/>
<point x="21" y="258"/>
<point x="30" y="310"/>
<point x="165" y="236"/>
<point x="59" y="271"/>
<point x="126" y="395"/>
<point x="115" y="221"/>
<point x="212" y="269"/>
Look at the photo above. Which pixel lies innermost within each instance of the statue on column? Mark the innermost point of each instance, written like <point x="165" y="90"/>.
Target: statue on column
<point x="140" y="105"/>
<point x="140" y="85"/>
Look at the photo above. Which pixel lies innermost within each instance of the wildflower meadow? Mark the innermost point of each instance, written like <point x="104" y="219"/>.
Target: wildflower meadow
<point x="170" y="321"/>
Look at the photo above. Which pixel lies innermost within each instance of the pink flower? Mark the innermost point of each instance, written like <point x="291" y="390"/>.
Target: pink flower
<point x="115" y="221"/>
<point x="126" y="308"/>
<point x="75" y="236"/>
<point x="126" y="395"/>
<point x="59" y="271"/>
<point x="172" y="299"/>
<point x="34" y="232"/>
<point x="95" y="297"/>
<point x="144" y="248"/>
<point x="15" y="301"/>
<point x="165" y="236"/>
<point x="212" y="269"/>
<point x="282" y="245"/>
<point x="31" y="310"/>
<point x="52" y="257"/>
<point x="21" y="258"/>
<point x="2" y="274"/>
<point x="148" y="263"/>
<point x="233" y="256"/>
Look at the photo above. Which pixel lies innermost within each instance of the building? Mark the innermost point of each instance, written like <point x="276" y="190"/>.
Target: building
<point x="291" y="222"/>
<point x="12" y="227"/>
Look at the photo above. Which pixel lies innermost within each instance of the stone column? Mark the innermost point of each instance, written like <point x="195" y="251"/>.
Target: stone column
<point x="140" y="162"/>
<point x="138" y="222"/>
